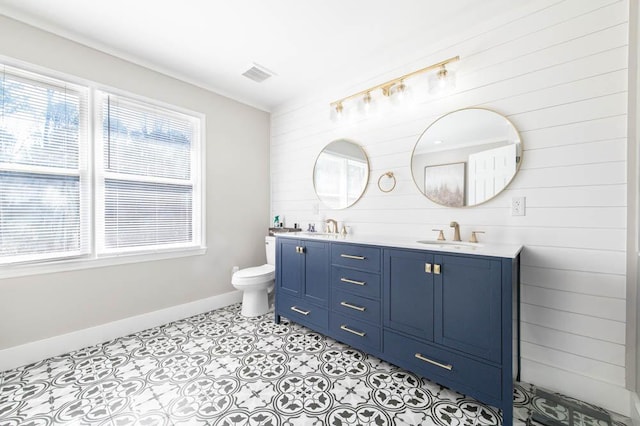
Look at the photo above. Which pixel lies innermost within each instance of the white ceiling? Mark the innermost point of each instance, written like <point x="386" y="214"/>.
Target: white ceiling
<point x="308" y="44"/>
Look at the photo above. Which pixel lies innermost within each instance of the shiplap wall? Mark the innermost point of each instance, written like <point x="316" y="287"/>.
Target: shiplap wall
<point x="558" y="71"/>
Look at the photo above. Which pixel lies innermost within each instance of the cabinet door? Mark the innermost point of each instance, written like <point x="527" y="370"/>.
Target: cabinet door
<point x="289" y="266"/>
<point x="408" y="292"/>
<point x="468" y="305"/>
<point x="316" y="272"/>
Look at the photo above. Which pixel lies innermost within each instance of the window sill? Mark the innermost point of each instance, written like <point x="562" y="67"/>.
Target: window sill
<point x="21" y="270"/>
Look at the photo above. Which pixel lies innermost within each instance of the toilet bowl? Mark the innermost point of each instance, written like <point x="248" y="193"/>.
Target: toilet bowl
<point x="256" y="283"/>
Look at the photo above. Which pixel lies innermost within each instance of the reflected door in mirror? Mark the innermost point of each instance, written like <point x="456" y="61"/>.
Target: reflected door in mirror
<point x="466" y="157"/>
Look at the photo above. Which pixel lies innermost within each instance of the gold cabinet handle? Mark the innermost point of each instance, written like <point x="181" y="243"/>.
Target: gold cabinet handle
<point x="300" y="311"/>
<point x="354" y="307"/>
<point x="347" y="280"/>
<point x="436" y="269"/>
<point x="427" y="268"/>
<point x="350" y="256"/>
<point x="436" y="363"/>
<point x="352" y="331"/>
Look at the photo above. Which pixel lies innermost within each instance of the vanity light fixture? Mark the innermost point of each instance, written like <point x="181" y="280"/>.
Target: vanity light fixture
<point x="396" y="88"/>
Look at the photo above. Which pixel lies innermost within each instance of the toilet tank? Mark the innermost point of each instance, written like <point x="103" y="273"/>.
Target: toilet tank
<point x="270" y="248"/>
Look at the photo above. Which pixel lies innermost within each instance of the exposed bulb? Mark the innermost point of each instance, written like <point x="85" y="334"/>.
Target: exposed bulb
<point x="367" y="102"/>
<point x="442" y="78"/>
<point x="337" y="112"/>
<point x="441" y="81"/>
<point x="401" y="90"/>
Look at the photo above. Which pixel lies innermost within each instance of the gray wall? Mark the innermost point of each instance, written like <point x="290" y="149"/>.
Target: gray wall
<point x="237" y="202"/>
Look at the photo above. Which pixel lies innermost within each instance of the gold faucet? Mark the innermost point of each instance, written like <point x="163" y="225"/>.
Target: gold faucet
<point x="332" y="227"/>
<point x="456" y="231"/>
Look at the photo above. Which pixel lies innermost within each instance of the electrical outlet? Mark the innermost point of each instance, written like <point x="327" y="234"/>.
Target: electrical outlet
<point x="518" y="206"/>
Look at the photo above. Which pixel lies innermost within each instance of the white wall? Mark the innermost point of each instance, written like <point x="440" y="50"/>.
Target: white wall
<point x="237" y="202"/>
<point x="558" y="71"/>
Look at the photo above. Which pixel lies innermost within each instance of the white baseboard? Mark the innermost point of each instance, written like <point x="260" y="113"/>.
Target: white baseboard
<point x="606" y="395"/>
<point x="36" y="351"/>
<point x="635" y="409"/>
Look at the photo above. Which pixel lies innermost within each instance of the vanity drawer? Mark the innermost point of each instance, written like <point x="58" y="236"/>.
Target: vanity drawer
<point x="355" y="306"/>
<point x="302" y="312"/>
<point x="359" y="334"/>
<point x="356" y="282"/>
<point x="464" y="374"/>
<point x="356" y="256"/>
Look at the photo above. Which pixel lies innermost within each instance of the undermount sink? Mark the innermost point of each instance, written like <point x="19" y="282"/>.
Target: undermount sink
<point x="449" y="244"/>
<point x="318" y="234"/>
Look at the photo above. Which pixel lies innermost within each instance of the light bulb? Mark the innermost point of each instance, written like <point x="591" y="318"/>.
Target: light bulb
<point x="367" y="102"/>
<point x="442" y="81"/>
<point x="442" y="78"/>
<point x="401" y="90"/>
<point x="337" y="112"/>
<point x="366" y="105"/>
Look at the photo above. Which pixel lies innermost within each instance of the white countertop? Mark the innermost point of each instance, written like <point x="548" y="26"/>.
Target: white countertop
<point x="482" y="249"/>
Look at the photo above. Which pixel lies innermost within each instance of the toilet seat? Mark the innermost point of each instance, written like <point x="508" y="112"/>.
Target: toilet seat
<point x="254" y="275"/>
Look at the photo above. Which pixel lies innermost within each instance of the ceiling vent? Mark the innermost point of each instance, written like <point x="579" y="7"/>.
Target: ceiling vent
<point x="258" y="73"/>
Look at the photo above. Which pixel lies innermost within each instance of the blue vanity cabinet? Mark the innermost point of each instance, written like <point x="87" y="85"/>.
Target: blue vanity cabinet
<point x="409" y="292"/>
<point x="355" y="315"/>
<point x="445" y="316"/>
<point x="467" y="308"/>
<point x="290" y="267"/>
<point x="302" y="282"/>
<point x="448" y="317"/>
<point x="447" y="299"/>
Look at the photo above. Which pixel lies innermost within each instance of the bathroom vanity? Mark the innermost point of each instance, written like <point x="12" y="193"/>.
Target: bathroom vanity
<point x="443" y="310"/>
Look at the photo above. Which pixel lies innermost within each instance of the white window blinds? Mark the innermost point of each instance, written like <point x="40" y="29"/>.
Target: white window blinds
<point x="43" y="168"/>
<point x="149" y="170"/>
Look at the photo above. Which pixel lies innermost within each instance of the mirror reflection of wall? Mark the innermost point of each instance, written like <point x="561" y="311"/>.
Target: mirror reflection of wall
<point x="466" y="157"/>
<point x="341" y="174"/>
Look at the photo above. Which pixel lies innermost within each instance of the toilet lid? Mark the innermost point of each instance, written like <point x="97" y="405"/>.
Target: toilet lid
<point x="256" y="271"/>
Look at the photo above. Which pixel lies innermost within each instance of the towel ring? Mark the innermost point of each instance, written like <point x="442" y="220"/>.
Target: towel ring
<point x="390" y="175"/>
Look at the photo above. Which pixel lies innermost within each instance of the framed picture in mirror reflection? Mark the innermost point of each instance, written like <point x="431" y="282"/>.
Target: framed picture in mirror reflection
<point x="445" y="183"/>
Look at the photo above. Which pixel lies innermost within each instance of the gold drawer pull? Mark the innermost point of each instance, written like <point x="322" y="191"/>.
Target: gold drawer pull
<point x="436" y="269"/>
<point x="350" y="256"/>
<point x="347" y="280"/>
<point x="300" y="311"/>
<point x="436" y="363"/>
<point x="357" y="333"/>
<point x="349" y="305"/>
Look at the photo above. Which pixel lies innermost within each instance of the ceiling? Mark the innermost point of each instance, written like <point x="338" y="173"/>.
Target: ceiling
<point x="210" y="43"/>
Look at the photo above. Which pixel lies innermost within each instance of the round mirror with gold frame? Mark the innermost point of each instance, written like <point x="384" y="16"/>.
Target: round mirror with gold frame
<point x="341" y="174"/>
<point x="466" y="157"/>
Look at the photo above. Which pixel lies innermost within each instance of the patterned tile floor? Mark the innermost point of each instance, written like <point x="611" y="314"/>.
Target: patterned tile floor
<point x="220" y="368"/>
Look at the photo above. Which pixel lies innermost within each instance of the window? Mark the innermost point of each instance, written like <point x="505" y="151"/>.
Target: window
<point x="146" y="164"/>
<point x="43" y="179"/>
<point x="141" y="193"/>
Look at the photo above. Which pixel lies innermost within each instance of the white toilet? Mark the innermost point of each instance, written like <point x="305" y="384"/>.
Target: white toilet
<point x="256" y="282"/>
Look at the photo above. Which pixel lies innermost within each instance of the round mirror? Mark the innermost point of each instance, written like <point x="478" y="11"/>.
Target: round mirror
<point x="466" y="157"/>
<point x="341" y="174"/>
